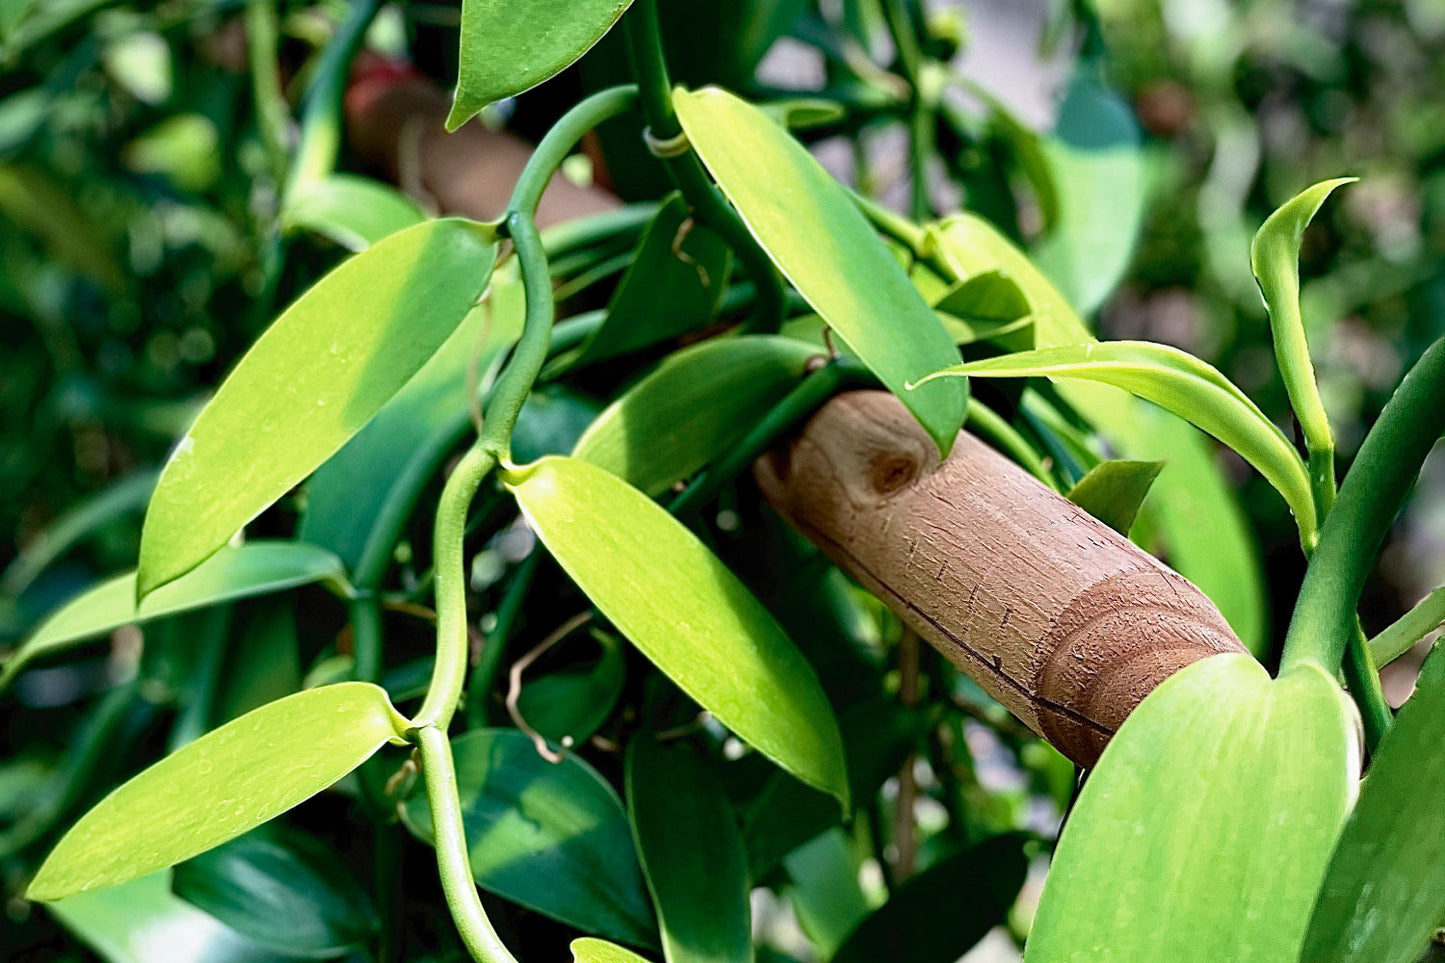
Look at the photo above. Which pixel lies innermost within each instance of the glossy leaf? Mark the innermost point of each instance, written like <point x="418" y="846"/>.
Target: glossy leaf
<point x="692" y="854"/>
<point x="1113" y="490"/>
<point x="247" y="570"/>
<point x="553" y="838"/>
<point x="1400" y="637"/>
<point x="809" y="226"/>
<point x="575" y="701"/>
<point x="1384" y="893"/>
<point x="694" y="406"/>
<point x="509" y="46"/>
<point x="283" y="889"/>
<point x="1181" y="384"/>
<point x="590" y="950"/>
<point x="143" y="921"/>
<point x="1274" y="259"/>
<point x="1260" y="771"/>
<point x="353" y="211"/>
<point x="227" y="782"/>
<point x="311" y="381"/>
<point x="939" y="914"/>
<point x="685" y="611"/>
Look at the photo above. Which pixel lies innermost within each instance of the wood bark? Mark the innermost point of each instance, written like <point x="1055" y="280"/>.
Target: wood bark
<point x="1058" y="617"/>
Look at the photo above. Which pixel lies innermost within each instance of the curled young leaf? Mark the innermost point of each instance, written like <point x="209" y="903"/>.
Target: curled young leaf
<point x="1113" y="490"/>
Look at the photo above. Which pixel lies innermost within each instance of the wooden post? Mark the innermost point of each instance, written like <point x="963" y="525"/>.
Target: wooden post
<point x="1058" y="617"/>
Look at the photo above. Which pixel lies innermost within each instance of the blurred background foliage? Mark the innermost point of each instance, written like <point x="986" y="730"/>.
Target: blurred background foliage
<point x="140" y="255"/>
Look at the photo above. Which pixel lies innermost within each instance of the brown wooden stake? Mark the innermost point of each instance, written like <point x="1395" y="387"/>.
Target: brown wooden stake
<point x="1058" y="617"/>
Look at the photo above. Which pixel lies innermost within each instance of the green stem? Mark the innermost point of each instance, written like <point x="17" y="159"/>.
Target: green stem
<point x="453" y="862"/>
<point x="992" y="426"/>
<point x="1363" y="678"/>
<point x="1427" y="616"/>
<point x="562" y="139"/>
<point x="271" y="114"/>
<point x="508" y="613"/>
<point x="1322" y="480"/>
<point x="366" y="635"/>
<point x="920" y="118"/>
<point x="569" y="236"/>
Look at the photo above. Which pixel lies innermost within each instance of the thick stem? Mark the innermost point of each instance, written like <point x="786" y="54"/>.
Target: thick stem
<point x="1363" y="678"/>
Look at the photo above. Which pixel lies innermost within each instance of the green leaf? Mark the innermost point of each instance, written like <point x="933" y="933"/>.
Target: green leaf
<point x="509" y="46"/>
<point x="1400" y="637"/>
<point x="590" y="950"/>
<point x="311" y="381"/>
<point x="264" y="665"/>
<point x="1384" y="892"/>
<point x="551" y="422"/>
<point x="353" y="211"/>
<point x="575" y="701"/>
<point x="939" y="914"/>
<point x="1113" y="490"/>
<point x="813" y="232"/>
<point x="1205" y="830"/>
<point x="227" y="782"/>
<point x="1274" y="259"/>
<point x="282" y="888"/>
<point x="694" y="406"/>
<point x="254" y="568"/>
<point x="553" y="838"/>
<point x="692" y="854"/>
<point x="673" y="285"/>
<point x="1179" y="383"/>
<point x="685" y="611"/>
<point x="143" y="921"/>
<point x="823" y="889"/>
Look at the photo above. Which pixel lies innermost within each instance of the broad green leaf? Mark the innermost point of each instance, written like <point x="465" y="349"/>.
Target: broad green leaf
<point x="227" y="782"/>
<point x="310" y="383"/>
<point x="590" y="950"/>
<point x="575" y="701"/>
<point x="264" y="665"/>
<point x="824" y="891"/>
<point x="143" y="921"/>
<point x="283" y="889"/>
<point x="353" y="211"/>
<point x="553" y="419"/>
<point x="553" y="838"/>
<point x="1274" y="259"/>
<point x="692" y="854"/>
<point x="1179" y="383"/>
<point x="990" y="296"/>
<point x="1113" y="490"/>
<point x="1206" y="828"/>
<point x="694" y="406"/>
<point x="1400" y="637"/>
<point x="388" y="461"/>
<point x="939" y="914"/>
<point x="673" y="285"/>
<point x="243" y="571"/>
<point x="509" y="46"/>
<point x="809" y="226"/>
<point x="685" y="611"/>
<point x="1384" y="892"/>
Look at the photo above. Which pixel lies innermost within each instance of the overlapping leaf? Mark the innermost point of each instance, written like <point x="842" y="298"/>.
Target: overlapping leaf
<point x="353" y="211"/>
<point x="1113" y="490"/>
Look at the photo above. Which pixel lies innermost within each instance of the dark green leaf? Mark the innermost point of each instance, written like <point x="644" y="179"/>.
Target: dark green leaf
<point x="809" y="226"/>
<point x="551" y="837"/>
<point x="264" y="666"/>
<point x="692" y="854"/>
<point x="551" y="421"/>
<point x="1113" y="490"/>
<point x="575" y="701"/>
<point x="824" y="891"/>
<point x="310" y="383"/>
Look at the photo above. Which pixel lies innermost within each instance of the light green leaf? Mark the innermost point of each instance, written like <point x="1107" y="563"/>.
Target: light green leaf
<point x="685" y="611"/>
<point x="1400" y="637"/>
<point x="1181" y="384"/>
<point x="227" y="782"/>
<point x="255" y="568"/>
<point x="353" y="211"/>
<point x="550" y="837"/>
<point x="1205" y="830"/>
<point x="311" y="381"/>
<point x="1113" y="490"/>
<point x="692" y="854"/>
<point x="810" y="227"/>
<point x="1384" y="892"/>
<point x="509" y="46"/>
<point x="695" y="405"/>
<point x="1274" y="259"/>
<point x="590" y="950"/>
<point x="143" y="921"/>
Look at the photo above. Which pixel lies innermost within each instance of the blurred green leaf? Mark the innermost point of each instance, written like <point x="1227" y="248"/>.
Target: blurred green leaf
<point x="809" y="226"/>
<point x="351" y="210"/>
<point x="225" y="783"/>
<point x="824" y="891"/>
<point x="1113" y="490"/>
<point x="692" y="853"/>
<point x="254" y="568"/>
<point x="263" y="665"/>
<point x="1400" y="637"/>
<point x="1181" y="384"/>
<point x="939" y="914"/>
<point x="694" y="406"/>
<point x="553" y="838"/>
<point x="310" y="383"/>
<point x="509" y="46"/>
<point x="183" y="148"/>
<point x="1206" y="828"/>
<point x="1384" y="892"/>
<point x="282" y="888"/>
<point x="573" y="702"/>
<point x="686" y="611"/>
<point x="589" y="950"/>
<point x="33" y="201"/>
